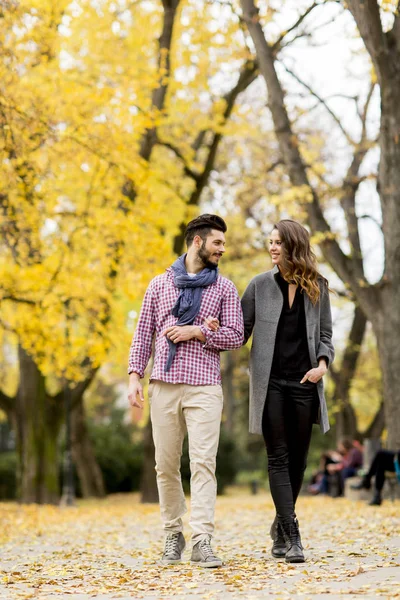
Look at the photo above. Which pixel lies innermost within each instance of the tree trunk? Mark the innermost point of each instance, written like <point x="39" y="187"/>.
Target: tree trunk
<point x="87" y="468"/>
<point x="387" y="331"/>
<point x="387" y="323"/>
<point x="38" y="421"/>
<point x="148" y="484"/>
<point x="229" y="390"/>
<point x="346" y="421"/>
<point x="377" y="426"/>
<point x="384" y="50"/>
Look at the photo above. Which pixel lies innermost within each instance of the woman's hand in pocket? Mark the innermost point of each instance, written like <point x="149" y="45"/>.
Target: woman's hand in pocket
<point x="314" y="375"/>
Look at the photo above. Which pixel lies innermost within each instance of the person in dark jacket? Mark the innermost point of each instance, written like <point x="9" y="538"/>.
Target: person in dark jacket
<point x="288" y="312"/>
<point x="384" y="460"/>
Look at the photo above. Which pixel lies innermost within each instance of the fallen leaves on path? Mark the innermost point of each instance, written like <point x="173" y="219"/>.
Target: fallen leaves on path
<point x="111" y="548"/>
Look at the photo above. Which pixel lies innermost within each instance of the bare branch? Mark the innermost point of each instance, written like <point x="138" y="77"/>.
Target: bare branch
<point x="290" y="151"/>
<point x="164" y="64"/>
<point x="396" y="24"/>
<point x="321" y="101"/>
<point x="367" y="16"/>
<point x="277" y="45"/>
<point x="18" y="300"/>
<point x="248" y="74"/>
<point x="188" y="171"/>
<point x="371" y="218"/>
<point x="351" y="184"/>
<point x="364" y="113"/>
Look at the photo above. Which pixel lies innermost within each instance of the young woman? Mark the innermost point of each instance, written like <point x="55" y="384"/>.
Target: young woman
<point x="288" y="312"/>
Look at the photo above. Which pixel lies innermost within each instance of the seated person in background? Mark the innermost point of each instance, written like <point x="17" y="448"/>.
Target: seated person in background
<point x="384" y="460"/>
<point x="319" y="483"/>
<point x="350" y="461"/>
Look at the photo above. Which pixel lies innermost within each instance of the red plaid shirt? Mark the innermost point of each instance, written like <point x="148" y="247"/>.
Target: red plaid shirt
<point x="195" y="362"/>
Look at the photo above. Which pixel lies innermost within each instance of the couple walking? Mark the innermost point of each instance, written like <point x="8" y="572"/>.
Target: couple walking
<point x="194" y="314"/>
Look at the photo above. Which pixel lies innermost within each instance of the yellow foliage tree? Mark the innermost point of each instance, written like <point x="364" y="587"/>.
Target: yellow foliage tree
<point x="94" y="187"/>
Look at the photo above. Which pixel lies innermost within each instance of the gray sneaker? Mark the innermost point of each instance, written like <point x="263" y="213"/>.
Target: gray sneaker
<point x="203" y="555"/>
<point x="174" y="546"/>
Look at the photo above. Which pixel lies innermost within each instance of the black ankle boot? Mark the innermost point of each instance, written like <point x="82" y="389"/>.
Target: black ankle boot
<point x="376" y="500"/>
<point x="294" y="548"/>
<point x="279" y="545"/>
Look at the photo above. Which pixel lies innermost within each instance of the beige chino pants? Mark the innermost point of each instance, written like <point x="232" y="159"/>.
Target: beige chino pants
<point x="175" y="409"/>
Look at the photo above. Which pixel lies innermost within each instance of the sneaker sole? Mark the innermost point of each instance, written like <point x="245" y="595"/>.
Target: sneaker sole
<point x="171" y="562"/>
<point x="208" y="565"/>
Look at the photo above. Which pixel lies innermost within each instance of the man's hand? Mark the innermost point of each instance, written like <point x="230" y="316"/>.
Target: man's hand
<point x="183" y="333"/>
<point x="135" y="391"/>
<point x="314" y="375"/>
<point x="212" y="323"/>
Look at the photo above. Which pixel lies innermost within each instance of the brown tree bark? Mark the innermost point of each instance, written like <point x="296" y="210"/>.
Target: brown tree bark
<point x="148" y="484"/>
<point x="346" y="420"/>
<point x="228" y="366"/>
<point x="384" y="50"/>
<point x="377" y="425"/>
<point x="87" y="467"/>
<point x="37" y="417"/>
<point x="38" y="420"/>
<point x="379" y="302"/>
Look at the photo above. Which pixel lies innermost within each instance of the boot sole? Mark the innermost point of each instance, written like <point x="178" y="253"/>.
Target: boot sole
<point x="208" y="565"/>
<point x="278" y="554"/>
<point x="296" y="560"/>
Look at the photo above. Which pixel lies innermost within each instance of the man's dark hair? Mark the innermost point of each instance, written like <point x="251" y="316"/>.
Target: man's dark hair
<point x="202" y="226"/>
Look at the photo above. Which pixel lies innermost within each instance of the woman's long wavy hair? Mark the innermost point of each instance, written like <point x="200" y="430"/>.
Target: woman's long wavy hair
<point x="298" y="263"/>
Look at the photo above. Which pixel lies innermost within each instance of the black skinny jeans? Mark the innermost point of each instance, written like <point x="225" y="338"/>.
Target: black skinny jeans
<point x="383" y="461"/>
<point x="289" y="413"/>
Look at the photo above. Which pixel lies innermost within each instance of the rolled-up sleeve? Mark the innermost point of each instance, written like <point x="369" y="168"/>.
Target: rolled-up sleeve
<point x="248" y="308"/>
<point x="230" y="333"/>
<point x="142" y="341"/>
<point x="325" y="347"/>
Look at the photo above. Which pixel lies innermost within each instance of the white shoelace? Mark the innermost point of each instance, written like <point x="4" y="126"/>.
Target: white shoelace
<point x="171" y="543"/>
<point x="206" y="548"/>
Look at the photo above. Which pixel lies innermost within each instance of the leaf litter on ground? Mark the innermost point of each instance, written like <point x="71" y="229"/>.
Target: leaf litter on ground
<point x="111" y="548"/>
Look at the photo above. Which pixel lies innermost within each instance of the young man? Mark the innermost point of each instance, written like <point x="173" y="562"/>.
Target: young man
<point x="185" y="386"/>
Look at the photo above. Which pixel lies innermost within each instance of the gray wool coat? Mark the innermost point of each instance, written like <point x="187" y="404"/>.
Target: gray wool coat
<point x="262" y="305"/>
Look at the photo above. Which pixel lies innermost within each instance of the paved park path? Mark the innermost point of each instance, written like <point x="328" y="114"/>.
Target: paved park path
<point x="109" y="549"/>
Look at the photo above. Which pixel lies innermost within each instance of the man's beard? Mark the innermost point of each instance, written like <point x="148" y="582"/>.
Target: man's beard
<point x="204" y="255"/>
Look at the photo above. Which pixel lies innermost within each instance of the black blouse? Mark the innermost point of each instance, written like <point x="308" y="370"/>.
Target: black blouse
<point x="291" y="356"/>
